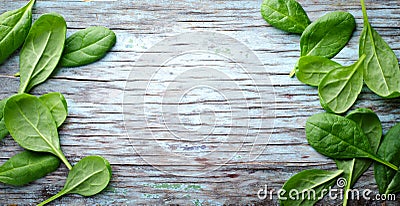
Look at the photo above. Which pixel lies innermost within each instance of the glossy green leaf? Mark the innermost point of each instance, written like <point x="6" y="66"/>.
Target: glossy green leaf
<point x="57" y="104"/>
<point x="381" y="67"/>
<point x="340" y="87"/>
<point x="14" y="27"/>
<point x="304" y="184"/>
<point x="32" y="126"/>
<point x="87" y="46"/>
<point x="26" y="167"/>
<point x="327" y="35"/>
<point x="287" y="15"/>
<point x="370" y="124"/>
<point x="387" y="179"/>
<point x="88" y="177"/>
<point x="312" y="69"/>
<point x="340" y="138"/>
<point x="42" y="50"/>
<point x="3" y="129"/>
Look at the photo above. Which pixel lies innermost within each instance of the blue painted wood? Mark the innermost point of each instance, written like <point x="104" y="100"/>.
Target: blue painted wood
<point x="95" y="94"/>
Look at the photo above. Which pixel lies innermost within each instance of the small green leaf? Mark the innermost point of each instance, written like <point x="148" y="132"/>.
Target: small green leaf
<point x="312" y="69"/>
<point x="87" y="46"/>
<point x="42" y="50"/>
<point x="58" y="106"/>
<point x="14" y="27"/>
<point x="88" y="177"/>
<point x="287" y="15"/>
<point x="26" y="167"/>
<point x="340" y="87"/>
<point x="327" y="35"/>
<point x="310" y="184"/>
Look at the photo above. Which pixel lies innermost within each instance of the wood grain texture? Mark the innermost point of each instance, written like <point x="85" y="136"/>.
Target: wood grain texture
<point x="95" y="95"/>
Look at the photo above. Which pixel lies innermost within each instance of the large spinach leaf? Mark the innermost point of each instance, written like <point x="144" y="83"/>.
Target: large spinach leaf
<point x="381" y="67"/>
<point x="14" y="27"/>
<point x="308" y="186"/>
<point x="312" y="69"/>
<point x="340" y="138"/>
<point x="26" y="167"/>
<point x="387" y="179"/>
<point x="32" y="126"/>
<point x="287" y="15"/>
<point x="88" y="177"/>
<point x="87" y="46"/>
<point x="42" y="50"/>
<point x="327" y="35"/>
<point x="339" y="89"/>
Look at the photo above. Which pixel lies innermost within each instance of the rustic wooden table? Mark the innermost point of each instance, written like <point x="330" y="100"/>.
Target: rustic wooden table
<point x="190" y="119"/>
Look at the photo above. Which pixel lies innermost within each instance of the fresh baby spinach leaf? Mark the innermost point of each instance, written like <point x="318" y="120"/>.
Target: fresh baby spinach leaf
<point x="14" y="27"/>
<point x="340" y="87"/>
<point x="87" y="46"/>
<point x="26" y="167"/>
<point x="387" y="179"/>
<point x="88" y="177"/>
<point x="42" y="50"/>
<point x="381" y="67"/>
<point x="32" y="126"/>
<point x="57" y="104"/>
<point x="327" y="35"/>
<point x="308" y="187"/>
<point x="311" y="69"/>
<point x="340" y="138"/>
<point x="287" y="15"/>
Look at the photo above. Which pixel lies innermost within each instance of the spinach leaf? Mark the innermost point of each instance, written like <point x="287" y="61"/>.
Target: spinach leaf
<point x="88" y="177"/>
<point x="381" y="68"/>
<point x="3" y="129"/>
<point x="370" y="124"/>
<point x="308" y="187"/>
<point x="14" y="27"/>
<point x="327" y="35"/>
<point x="26" y="167"/>
<point x="389" y="180"/>
<point x="340" y="138"/>
<point x="42" y="50"/>
<point x="58" y="106"/>
<point x="87" y="46"/>
<point x="32" y="126"/>
<point x="339" y="89"/>
<point x="311" y="69"/>
<point x="287" y="15"/>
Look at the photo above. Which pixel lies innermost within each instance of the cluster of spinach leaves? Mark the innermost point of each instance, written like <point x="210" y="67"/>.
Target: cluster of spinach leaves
<point x="33" y="121"/>
<point x="338" y="86"/>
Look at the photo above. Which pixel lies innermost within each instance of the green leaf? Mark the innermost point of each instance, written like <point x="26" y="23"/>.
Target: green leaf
<point x="340" y="138"/>
<point x="312" y="69"/>
<point x="370" y="124"/>
<point x="58" y="106"/>
<point x="339" y="89"/>
<point x="381" y="67"/>
<point x="304" y="183"/>
<point x="14" y="27"/>
<point x="3" y="129"/>
<point x="327" y="35"/>
<point x="42" y="50"/>
<point x="26" y="167"/>
<point x="88" y="177"/>
<point x="87" y="46"/>
<point x="387" y="179"/>
<point x="287" y="15"/>
<point x="32" y="126"/>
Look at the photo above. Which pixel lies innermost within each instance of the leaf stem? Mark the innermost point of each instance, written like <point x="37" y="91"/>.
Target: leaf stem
<point x="64" y="160"/>
<point x="61" y="193"/>
<point x="364" y="11"/>
<point x="384" y="162"/>
<point x="348" y="185"/>
<point x="292" y="73"/>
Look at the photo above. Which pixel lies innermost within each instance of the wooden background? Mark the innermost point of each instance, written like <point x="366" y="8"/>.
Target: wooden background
<point x="143" y="175"/>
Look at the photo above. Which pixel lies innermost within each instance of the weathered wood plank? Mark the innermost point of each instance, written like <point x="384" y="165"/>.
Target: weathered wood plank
<point x="95" y="95"/>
